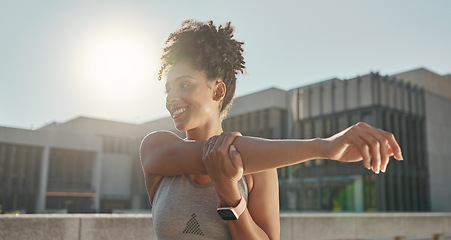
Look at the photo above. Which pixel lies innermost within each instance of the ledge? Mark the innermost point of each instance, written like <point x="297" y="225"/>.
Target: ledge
<point x="293" y="226"/>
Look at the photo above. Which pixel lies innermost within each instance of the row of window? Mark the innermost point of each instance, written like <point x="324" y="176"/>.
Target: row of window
<point x="335" y="96"/>
<point x="20" y="168"/>
<point x="339" y="194"/>
<point x="408" y="129"/>
<point x="70" y="170"/>
<point x="118" y="145"/>
<point x="253" y="124"/>
<point x="408" y="178"/>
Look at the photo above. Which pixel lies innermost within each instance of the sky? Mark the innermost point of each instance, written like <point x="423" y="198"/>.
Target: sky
<point x="63" y="59"/>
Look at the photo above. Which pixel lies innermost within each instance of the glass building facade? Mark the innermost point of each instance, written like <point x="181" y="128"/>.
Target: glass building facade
<point x="322" y="109"/>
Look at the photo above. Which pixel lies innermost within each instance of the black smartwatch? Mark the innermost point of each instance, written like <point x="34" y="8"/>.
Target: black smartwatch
<point x="232" y="213"/>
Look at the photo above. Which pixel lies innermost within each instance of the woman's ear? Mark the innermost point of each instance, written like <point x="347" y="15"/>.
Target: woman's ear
<point x="220" y="91"/>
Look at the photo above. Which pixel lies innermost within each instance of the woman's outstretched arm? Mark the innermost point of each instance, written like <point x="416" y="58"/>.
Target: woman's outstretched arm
<point x="164" y="153"/>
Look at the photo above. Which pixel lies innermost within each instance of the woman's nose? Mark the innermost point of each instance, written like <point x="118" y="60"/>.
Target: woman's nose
<point x="171" y="96"/>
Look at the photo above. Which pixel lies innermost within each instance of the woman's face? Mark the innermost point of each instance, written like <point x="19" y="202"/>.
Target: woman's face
<point x="191" y="98"/>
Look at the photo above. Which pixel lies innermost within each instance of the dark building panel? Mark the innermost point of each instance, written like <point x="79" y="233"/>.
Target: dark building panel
<point x="69" y="182"/>
<point x="19" y="177"/>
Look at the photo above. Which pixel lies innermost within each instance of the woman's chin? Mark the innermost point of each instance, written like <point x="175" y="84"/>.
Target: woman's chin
<point x="180" y="127"/>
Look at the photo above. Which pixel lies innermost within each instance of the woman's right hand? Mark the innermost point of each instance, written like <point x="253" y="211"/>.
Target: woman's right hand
<point x="221" y="159"/>
<point x="224" y="166"/>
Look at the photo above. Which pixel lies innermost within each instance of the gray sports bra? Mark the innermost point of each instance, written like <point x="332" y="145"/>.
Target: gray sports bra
<point x="183" y="209"/>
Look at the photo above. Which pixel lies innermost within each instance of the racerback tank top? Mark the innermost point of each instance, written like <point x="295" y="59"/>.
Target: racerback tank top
<point x="183" y="209"/>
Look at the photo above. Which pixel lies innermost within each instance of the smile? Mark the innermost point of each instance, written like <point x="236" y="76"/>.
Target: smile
<point x="178" y="112"/>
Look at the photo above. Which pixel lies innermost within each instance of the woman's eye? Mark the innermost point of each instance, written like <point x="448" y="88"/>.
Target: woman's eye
<point x="184" y="85"/>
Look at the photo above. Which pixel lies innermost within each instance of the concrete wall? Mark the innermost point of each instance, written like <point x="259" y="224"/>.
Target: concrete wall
<point x="269" y="98"/>
<point x="116" y="175"/>
<point x="438" y="128"/>
<point x="76" y="227"/>
<point x="293" y="226"/>
<point x="49" y="138"/>
<point x="438" y="131"/>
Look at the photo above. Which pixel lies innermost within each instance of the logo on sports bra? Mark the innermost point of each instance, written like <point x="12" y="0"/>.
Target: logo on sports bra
<point x="193" y="227"/>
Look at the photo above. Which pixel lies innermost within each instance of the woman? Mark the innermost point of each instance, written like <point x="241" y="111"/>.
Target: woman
<point x="216" y="185"/>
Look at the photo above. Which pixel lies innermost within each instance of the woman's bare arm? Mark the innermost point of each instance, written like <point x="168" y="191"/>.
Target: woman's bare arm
<point x="164" y="153"/>
<point x="260" y="220"/>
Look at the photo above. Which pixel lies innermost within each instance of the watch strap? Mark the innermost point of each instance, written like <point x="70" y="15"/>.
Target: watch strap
<point x="237" y="210"/>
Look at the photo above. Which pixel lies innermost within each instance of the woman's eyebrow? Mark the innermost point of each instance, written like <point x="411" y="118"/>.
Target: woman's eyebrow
<point x="178" y="79"/>
<point x="182" y="77"/>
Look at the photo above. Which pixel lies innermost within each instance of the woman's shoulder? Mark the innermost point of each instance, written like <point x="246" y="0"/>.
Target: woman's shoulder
<point x="160" y="134"/>
<point x="159" y="137"/>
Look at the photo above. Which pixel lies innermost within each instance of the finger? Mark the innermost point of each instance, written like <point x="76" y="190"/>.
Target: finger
<point x="205" y="150"/>
<point x="364" y="150"/>
<point x="211" y="144"/>
<point x="228" y="151"/>
<point x="385" y="158"/>
<point x="374" y="147"/>
<point x="236" y="161"/>
<point x="390" y="151"/>
<point x="393" y="144"/>
<point x="228" y="140"/>
<point x="218" y="145"/>
<point x="383" y="147"/>
<point x="220" y="139"/>
<point x="235" y="156"/>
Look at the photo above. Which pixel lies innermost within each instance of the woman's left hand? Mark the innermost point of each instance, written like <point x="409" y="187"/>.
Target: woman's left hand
<point x="363" y="142"/>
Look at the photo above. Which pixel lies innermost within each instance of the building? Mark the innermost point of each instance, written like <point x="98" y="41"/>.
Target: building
<point x="92" y="165"/>
<point x="414" y="105"/>
<point x="82" y="165"/>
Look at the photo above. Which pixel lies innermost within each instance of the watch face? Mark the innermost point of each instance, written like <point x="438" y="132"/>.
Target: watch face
<point x="227" y="214"/>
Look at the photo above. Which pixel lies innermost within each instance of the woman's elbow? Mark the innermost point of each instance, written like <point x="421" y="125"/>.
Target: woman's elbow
<point x="154" y="151"/>
<point x="148" y="153"/>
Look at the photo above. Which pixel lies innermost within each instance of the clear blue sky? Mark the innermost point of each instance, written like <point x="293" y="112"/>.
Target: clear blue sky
<point x="63" y="59"/>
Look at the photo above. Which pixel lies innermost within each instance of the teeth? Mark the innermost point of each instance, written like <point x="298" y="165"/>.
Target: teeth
<point x="178" y="112"/>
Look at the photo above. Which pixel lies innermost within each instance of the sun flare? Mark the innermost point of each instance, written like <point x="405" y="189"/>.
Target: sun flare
<point x="117" y="65"/>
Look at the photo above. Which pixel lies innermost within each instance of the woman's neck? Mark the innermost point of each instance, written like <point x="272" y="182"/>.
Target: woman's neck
<point x="204" y="133"/>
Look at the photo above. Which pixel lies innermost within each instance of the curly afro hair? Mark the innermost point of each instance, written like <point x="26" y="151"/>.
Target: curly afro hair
<point x="209" y="49"/>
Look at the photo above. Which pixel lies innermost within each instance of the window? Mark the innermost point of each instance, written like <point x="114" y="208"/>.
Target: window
<point x="318" y="128"/>
<point x="367" y="117"/>
<point x="115" y="145"/>
<point x="342" y="122"/>
<point x="355" y="118"/>
<point x="306" y="130"/>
